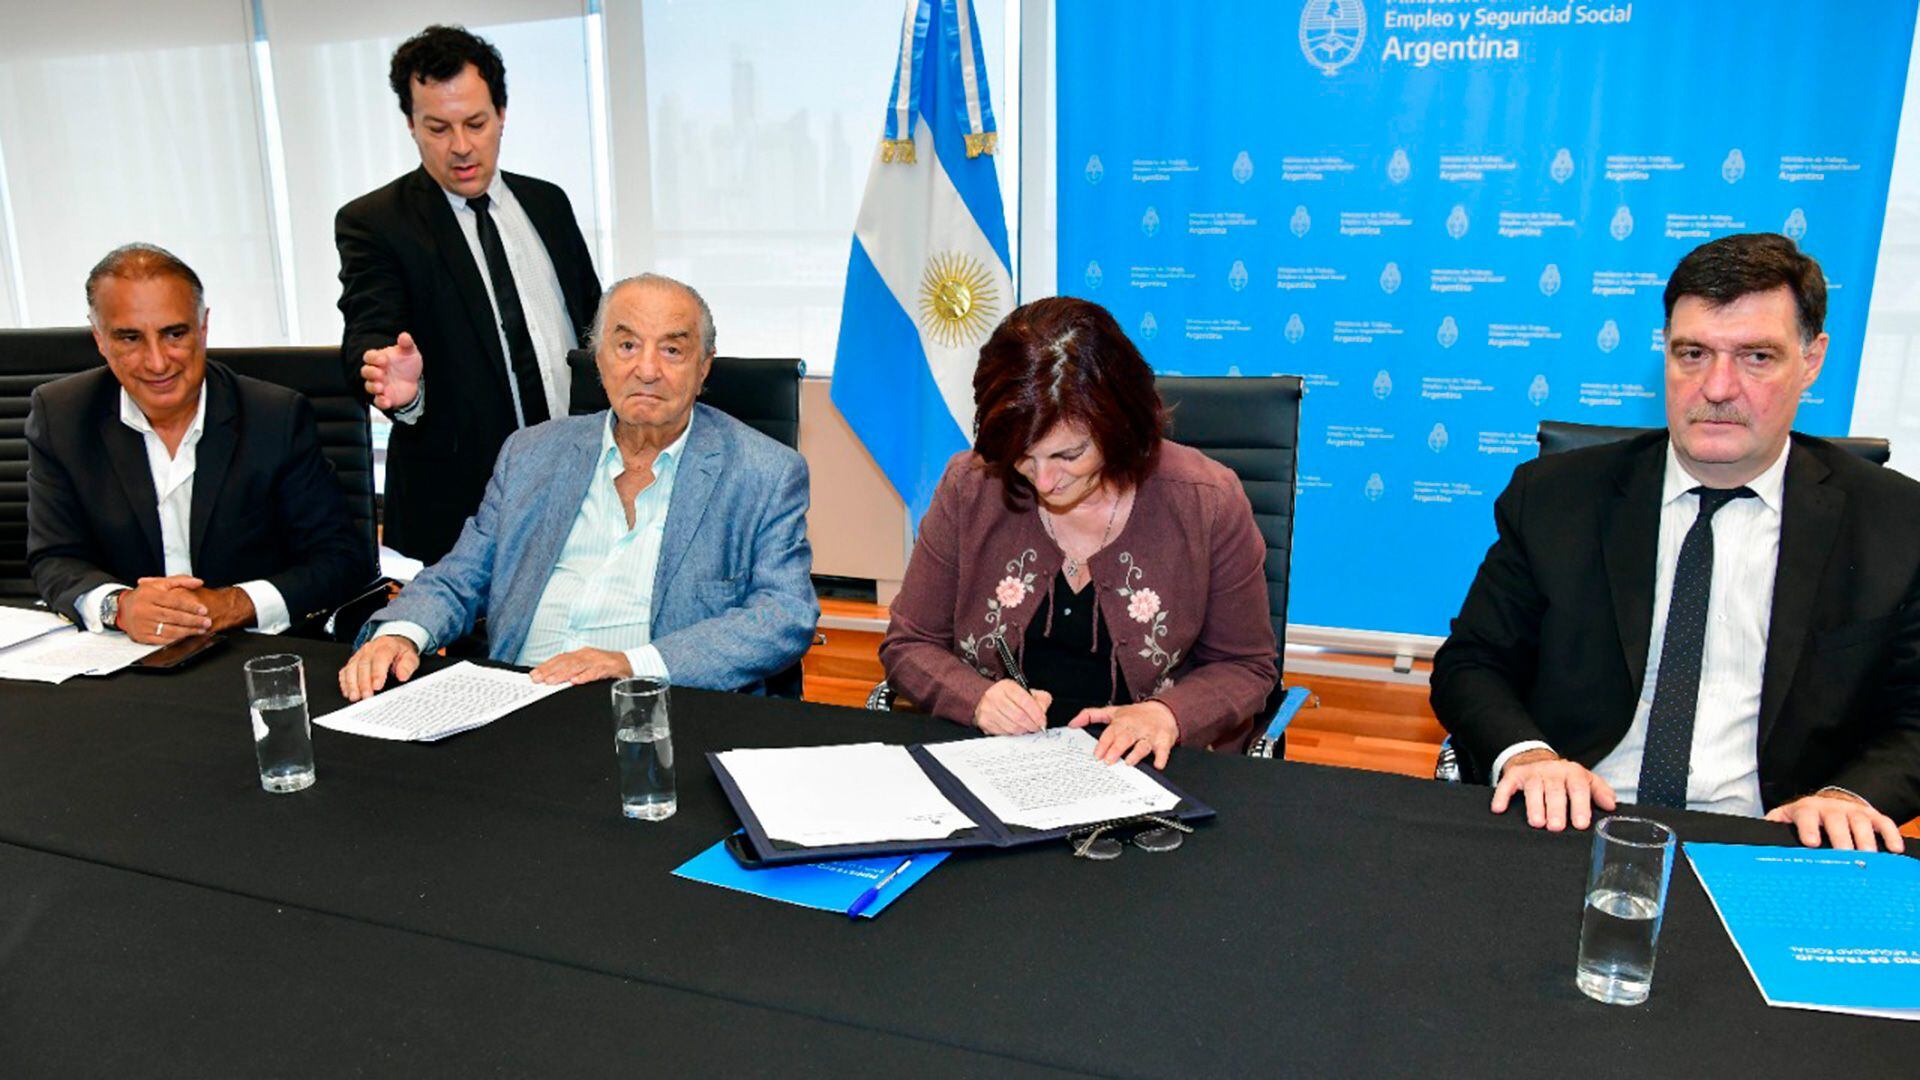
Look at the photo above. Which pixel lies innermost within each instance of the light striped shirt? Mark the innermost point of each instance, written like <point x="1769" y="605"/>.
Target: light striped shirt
<point x="541" y="300"/>
<point x="1724" y="769"/>
<point x="600" y="594"/>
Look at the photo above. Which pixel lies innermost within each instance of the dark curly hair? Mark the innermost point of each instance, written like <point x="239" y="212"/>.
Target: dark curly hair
<point x="439" y="53"/>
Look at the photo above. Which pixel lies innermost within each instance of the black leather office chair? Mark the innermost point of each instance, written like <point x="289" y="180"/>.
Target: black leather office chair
<point x="346" y="440"/>
<point x="1252" y="426"/>
<point x="346" y="437"/>
<point x="27" y="359"/>
<point x="1560" y="436"/>
<point x="763" y="394"/>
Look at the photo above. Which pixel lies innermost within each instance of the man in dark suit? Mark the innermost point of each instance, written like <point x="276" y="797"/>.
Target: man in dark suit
<point x="462" y="288"/>
<point x="1722" y="615"/>
<point x="167" y="496"/>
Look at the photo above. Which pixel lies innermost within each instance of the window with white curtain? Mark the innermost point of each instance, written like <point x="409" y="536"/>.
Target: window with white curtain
<point x="762" y="117"/>
<point x="123" y="122"/>
<point x="341" y="133"/>
<point x="725" y="142"/>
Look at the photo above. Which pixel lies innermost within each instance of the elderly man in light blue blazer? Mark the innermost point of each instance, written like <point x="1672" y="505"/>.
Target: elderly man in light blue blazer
<point x="662" y="537"/>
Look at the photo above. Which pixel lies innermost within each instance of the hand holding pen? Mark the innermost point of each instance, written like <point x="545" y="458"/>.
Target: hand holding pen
<point x="1009" y="707"/>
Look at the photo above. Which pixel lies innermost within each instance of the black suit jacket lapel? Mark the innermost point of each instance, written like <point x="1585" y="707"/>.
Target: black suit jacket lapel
<point x="430" y="203"/>
<point x="211" y="459"/>
<point x="1811" y="511"/>
<point x="1631" y="548"/>
<point x="128" y="451"/>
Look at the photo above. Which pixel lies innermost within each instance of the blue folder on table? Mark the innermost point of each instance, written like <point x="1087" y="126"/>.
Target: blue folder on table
<point x="826" y="886"/>
<point x="1837" y="931"/>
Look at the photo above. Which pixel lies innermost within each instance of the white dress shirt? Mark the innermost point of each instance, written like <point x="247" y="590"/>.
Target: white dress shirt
<point x="600" y="594"/>
<point x="534" y="278"/>
<point x="1724" y="770"/>
<point x="173" y="492"/>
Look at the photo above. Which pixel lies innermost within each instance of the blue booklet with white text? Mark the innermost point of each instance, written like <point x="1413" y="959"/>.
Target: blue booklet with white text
<point x="1837" y="931"/>
<point x="826" y="886"/>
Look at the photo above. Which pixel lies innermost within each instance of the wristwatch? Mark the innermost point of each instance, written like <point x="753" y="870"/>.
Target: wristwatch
<point x="110" y="610"/>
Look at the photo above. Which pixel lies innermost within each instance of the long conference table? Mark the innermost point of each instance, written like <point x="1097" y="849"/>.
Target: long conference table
<point x="479" y="907"/>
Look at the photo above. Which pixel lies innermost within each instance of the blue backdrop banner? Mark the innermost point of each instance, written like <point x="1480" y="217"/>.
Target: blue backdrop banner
<point x="1455" y="220"/>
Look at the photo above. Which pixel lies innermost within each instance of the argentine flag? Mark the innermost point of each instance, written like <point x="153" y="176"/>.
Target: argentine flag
<point x="929" y="277"/>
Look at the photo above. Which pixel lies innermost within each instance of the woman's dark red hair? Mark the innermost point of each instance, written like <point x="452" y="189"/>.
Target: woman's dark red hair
<point x="1064" y="360"/>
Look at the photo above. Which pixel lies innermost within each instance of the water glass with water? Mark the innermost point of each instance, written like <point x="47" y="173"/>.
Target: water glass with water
<point x="277" y="698"/>
<point x="644" y="743"/>
<point x="1626" y="898"/>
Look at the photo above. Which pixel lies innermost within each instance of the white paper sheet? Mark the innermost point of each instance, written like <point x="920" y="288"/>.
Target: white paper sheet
<point x="860" y="794"/>
<point x="447" y="702"/>
<point x="1050" y="779"/>
<point x="63" y="654"/>
<point x="397" y="566"/>
<point x="24" y="624"/>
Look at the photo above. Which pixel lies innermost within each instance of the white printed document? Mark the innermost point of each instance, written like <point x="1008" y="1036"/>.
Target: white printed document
<point x="447" y="702"/>
<point x="60" y="655"/>
<point x="19" y="625"/>
<point x="821" y="796"/>
<point x="1050" y="779"/>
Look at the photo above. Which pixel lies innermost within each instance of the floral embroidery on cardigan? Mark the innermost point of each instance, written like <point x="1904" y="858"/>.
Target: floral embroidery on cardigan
<point x="1143" y="606"/>
<point x="1012" y="591"/>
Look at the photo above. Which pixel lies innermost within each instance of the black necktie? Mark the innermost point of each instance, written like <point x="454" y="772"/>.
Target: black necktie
<point x="1665" y="761"/>
<point x="522" y="364"/>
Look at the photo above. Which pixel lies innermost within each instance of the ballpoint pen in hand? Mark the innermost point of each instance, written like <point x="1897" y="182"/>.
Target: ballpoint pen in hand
<point x="866" y="899"/>
<point x="1013" y="666"/>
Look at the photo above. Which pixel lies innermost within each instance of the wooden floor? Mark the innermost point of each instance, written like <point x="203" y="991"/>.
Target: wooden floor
<point x="1355" y="723"/>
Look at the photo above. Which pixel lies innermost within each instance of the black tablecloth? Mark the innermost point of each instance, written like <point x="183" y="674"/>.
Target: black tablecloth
<point x="435" y="900"/>
<point x="104" y="971"/>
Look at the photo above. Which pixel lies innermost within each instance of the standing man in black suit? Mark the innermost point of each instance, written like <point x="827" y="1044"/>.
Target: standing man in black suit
<point x="167" y="496"/>
<point x="1723" y="615"/>
<point x="462" y="287"/>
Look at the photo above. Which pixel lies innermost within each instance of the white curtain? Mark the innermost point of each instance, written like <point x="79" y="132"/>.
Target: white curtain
<point x="342" y="133"/>
<point x="761" y="119"/>
<point x="123" y="122"/>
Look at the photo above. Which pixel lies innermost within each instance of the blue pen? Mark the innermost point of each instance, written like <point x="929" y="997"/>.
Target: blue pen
<point x="866" y="899"/>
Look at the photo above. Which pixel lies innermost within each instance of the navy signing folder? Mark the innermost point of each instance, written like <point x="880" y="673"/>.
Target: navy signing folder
<point x="804" y="804"/>
<point x="1837" y="931"/>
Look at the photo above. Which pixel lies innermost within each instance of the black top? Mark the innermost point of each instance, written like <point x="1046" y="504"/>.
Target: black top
<point x="1069" y="654"/>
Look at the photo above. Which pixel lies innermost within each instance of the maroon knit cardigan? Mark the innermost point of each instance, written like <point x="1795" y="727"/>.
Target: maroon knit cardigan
<point x="1182" y="589"/>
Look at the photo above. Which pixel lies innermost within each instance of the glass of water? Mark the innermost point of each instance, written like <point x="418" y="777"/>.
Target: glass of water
<point x="644" y="744"/>
<point x="277" y="698"/>
<point x="1626" y="897"/>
